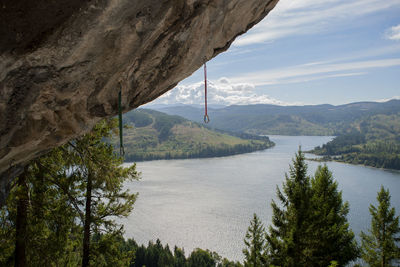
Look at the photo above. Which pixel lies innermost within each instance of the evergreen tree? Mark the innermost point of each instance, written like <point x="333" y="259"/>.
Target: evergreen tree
<point x="255" y="251"/>
<point x="50" y="223"/>
<point x="155" y="254"/>
<point x="50" y="204"/>
<point x="179" y="257"/>
<point x="329" y="234"/>
<point x="381" y="246"/>
<point x="7" y="232"/>
<point x="204" y="258"/>
<point x="287" y="238"/>
<point x="97" y="174"/>
<point x="310" y="226"/>
<point x="111" y="249"/>
<point x="22" y="220"/>
<point x="54" y="230"/>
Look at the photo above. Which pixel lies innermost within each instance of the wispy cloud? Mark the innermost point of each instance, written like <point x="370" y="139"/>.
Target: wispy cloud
<point x="221" y="92"/>
<point x="300" y="17"/>
<point x="312" y="71"/>
<point x="393" y="33"/>
<point x="242" y="90"/>
<point x="296" y="18"/>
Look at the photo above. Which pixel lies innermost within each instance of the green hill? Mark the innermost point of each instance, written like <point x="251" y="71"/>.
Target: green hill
<point x="154" y="135"/>
<point x="367" y="133"/>
<point x="287" y="120"/>
<point x="372" y="141"/>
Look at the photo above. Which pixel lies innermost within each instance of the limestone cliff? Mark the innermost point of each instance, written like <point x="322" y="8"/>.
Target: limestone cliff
<point x="61" y="62"/>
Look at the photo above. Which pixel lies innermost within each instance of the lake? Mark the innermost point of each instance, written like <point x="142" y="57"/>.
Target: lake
<point x="208" y="203"/>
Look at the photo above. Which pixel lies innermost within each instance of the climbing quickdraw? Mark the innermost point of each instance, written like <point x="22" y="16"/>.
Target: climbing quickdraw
<point x="206" y="118"/>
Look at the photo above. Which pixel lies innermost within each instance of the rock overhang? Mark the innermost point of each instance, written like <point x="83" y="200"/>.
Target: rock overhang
<point x="62" y="61"/>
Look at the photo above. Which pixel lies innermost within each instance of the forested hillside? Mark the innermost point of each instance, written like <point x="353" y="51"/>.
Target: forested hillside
<point x="372" y="141"/>
<point x="154" y="135"/>
<point x="367" y="132"/>
<point x="287" y="120"/>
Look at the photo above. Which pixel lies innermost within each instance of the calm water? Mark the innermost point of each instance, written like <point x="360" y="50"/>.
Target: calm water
<point x="208" y="203"/>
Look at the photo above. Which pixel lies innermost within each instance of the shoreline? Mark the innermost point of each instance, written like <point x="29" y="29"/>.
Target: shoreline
<point x="196" y="156"/>
<point x="331" y="159"/>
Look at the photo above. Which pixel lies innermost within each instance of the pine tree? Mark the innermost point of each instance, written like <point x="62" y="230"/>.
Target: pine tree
<point x="204" y="258"/>
<point x="50" y="223"/>
<point x="52" y="218"/>
<point x="310" y="226"/>
<point x="97" y="175"/>
<point x="287" y="238"/>
<point x="380" y="247"/>
<point x="330" y="238"/>
<point x="111" y="249"/>
<point x="179" y="257"/>
<point x="22" y="220"/>
<point x="53" y="196"/>
<point x="255" y="251"/>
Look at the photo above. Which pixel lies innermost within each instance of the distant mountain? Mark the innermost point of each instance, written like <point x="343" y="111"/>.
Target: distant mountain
<point x="197" y="106"/>
<point x="287" y="120"/>
<point x="156" y="135"/>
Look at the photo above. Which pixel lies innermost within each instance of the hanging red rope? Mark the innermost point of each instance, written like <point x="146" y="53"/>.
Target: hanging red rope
<point x="206" y="118"/>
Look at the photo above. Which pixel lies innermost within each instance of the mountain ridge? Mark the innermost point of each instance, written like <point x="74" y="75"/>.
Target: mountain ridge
<point x="323" y="119"/>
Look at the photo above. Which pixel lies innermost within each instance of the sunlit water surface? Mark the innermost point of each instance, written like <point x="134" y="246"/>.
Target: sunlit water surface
<point x="208" y="203"/>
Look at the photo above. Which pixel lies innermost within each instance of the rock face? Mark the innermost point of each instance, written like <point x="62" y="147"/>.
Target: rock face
<point x="62" y="62"/>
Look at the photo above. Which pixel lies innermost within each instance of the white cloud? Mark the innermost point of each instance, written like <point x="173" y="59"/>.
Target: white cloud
<point x="220" y="92"/>
<point x="312" y="71"/>
<point x="241" y="90"/>
<point x="393" y="33"/>
<point x="300" y="17"/>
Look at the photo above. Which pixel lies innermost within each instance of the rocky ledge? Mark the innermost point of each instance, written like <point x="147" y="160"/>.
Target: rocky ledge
<point x="62" y="62"/>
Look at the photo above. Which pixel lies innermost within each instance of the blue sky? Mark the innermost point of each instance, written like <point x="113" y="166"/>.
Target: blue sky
<point x="306" y="52"/>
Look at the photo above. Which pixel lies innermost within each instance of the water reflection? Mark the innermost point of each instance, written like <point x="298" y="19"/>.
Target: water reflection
<point x="208" y="203"/>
